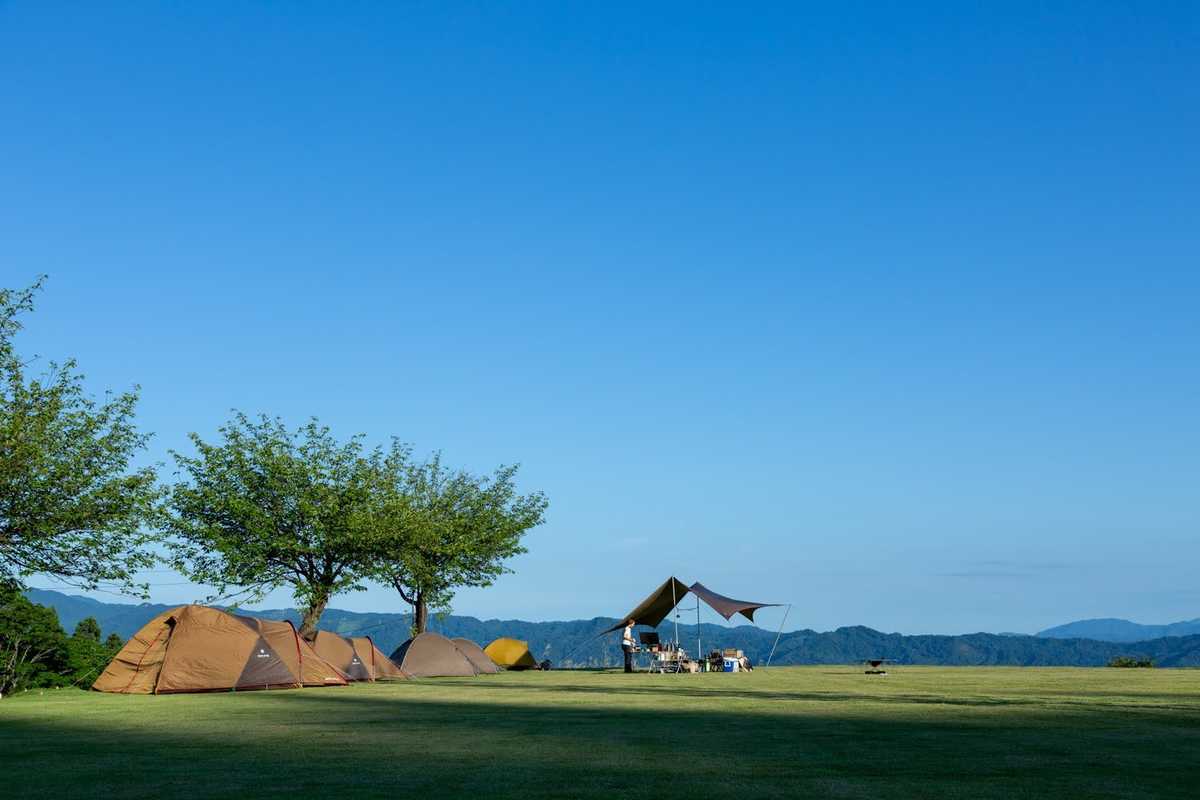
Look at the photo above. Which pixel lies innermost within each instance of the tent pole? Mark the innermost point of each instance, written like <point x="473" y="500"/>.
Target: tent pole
<point x="777" y="635"/>
<point x="699" y="649"/>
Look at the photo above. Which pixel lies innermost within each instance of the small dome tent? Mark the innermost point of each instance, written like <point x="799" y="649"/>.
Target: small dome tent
<point x="475" y="654"/>
<point x="511" y="654"/>
<point x="431" y="655"/>
<point x="356" y="656"/>
<point x="201" y="649"/>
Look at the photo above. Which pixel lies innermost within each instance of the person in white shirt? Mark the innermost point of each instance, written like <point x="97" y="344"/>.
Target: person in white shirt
<point x="627" y="645"/>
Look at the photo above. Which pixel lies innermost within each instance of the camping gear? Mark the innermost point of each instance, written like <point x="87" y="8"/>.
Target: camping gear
<point x="431" y="655"/>
<point x="356" y="656"/>
<point x="655" y="608"/>
<point x="383" y="667"/>
<point x="476" y="656"/>
<point x="201" y="649"/>
<point x="511" y="654"/>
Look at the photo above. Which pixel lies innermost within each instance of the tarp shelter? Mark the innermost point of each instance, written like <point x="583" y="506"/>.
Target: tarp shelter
<point x="476" y="656"/>
<point x="655" y="608"/>
<point x="511" y="654"/>
<point x="357" y="657"/>
<point x="431" y="655"/>
<point x="201" y="649"/>
<point x="727" y="606"/>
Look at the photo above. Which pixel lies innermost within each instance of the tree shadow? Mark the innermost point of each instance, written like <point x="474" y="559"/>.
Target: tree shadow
<point x="396" y="740"/>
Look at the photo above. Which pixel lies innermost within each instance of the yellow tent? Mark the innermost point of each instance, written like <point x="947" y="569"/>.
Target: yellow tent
<point x="511" y="654"/>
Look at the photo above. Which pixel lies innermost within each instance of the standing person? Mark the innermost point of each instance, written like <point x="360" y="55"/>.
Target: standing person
<point x="627" y="645"/>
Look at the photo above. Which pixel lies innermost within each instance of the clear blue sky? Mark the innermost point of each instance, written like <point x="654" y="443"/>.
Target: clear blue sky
<point x="886" y="310"/>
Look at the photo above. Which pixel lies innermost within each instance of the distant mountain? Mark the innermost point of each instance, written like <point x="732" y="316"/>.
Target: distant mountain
<point x="577" y="643"/>
<point x="1119" y="630"/>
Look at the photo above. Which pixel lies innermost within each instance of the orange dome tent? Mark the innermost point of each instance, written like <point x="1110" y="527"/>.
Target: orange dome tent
<point x="201" y="649"/>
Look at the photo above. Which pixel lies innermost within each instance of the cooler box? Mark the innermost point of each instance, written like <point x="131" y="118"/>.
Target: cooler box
<point x="732" y="665"/>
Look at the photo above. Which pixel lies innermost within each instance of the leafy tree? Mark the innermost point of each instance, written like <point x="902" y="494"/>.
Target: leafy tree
<point x="113" y="643"/>
<point x="266" y="507"/>
<point x="70" y="504"/>
<point x="87" y="628"/>
<point x="33" y="647"/>
<point x="86" y="655"/>
<point x="435" y="529"/>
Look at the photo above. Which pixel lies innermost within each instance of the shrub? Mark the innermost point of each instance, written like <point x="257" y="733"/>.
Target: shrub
<point x="1131" y="662"/>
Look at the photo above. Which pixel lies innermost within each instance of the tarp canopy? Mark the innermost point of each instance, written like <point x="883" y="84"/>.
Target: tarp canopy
<point x="655" y="608"/>
<point x="727" y="606"/>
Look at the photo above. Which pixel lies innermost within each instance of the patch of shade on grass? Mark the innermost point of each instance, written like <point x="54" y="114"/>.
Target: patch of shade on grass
<point x="809" y="731"/>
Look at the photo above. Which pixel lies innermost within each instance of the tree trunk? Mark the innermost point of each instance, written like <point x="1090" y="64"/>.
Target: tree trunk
<point x="420" y="614"/>
<point x="312" y="615"/>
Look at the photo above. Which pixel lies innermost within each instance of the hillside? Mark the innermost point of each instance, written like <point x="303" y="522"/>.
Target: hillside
<point x="1120" y="630"/>
<point x="576" y="642"/>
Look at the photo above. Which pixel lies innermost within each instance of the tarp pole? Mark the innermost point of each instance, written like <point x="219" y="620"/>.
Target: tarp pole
<point x="781" y="624"/>
<point x="699" y="649"/>
<point x="676" y="610"/>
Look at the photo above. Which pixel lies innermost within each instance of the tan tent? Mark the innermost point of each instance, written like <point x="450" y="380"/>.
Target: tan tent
<point x="511" y="654"/>
<point x="476" y="656"/>
<point x="431" y="655"/>
<point x="357" y="657"/>
<point x="382" y="668"/>
<point x="201" y="649"/>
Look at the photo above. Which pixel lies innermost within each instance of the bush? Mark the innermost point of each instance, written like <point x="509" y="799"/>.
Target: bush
<point x="1131" y="662"/>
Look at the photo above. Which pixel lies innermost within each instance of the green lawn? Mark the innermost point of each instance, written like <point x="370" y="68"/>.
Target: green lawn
<point x="812" y="731"/>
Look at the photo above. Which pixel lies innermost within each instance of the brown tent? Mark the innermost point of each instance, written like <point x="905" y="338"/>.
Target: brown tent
<point x="201" y="649"/>
<point x="655" y="608"/>
<point x="382" y="667"/>
<point x="431" y="655"/>
<point x="341" y="652"/>
<point x="476" y="656"/>
<point x="357" y="657"/>
<point x="727" y="606"/>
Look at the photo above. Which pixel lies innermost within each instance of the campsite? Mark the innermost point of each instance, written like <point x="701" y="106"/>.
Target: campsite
<point x="619" y="401"/>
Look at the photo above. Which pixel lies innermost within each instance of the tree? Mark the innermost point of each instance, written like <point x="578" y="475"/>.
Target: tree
<point x="267" y="507"/>
<point x="434" y="529"/>
<point x="71" y="506"/>
<point x="33" y="647"/>
<point x="86" y="655"/>
<point x="113" y="643"/>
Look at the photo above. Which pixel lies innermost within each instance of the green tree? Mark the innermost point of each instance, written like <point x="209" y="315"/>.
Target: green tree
<point x="33" y="647"/>
<point x="71" y="505"/>
<point x="86" y="655"/>
<point x="88" y="628"/>
<point x="113" y="643"/>
<point x="267" y="506"/>
<point x="435" y="530"/>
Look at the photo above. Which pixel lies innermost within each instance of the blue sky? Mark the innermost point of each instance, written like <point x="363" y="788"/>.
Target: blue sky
<point x="887" y="311"/>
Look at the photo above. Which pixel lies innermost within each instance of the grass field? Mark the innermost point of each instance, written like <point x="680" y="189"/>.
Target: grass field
<point x="813" y="731"/>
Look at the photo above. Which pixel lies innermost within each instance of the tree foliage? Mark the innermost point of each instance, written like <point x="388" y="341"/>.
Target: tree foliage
<point x="267" y="506"/>
<point x="33" y="647"/>
<point x="434" y="529"/>
<point x="87" y="655"/>
<point x="70" y="503"/>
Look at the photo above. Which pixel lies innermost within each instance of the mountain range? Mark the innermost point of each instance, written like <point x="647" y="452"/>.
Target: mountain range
<point x="579" y="643"/>
<point x="1120" y="630"/>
